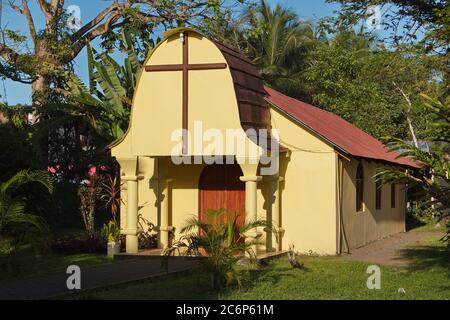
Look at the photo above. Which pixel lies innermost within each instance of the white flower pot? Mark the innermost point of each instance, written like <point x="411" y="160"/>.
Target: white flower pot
<point x="113" y="248"/>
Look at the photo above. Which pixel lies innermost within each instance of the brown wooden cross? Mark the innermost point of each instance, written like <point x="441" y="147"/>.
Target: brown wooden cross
<point x="185" y="67"/>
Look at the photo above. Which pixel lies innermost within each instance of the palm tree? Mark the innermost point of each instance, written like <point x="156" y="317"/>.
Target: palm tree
<point x="277" y="40"/>
<point x="13" y="205"/>
<point x="223" y="241"/>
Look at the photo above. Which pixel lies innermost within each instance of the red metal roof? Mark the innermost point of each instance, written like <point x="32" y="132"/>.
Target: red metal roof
<point x="335" y="130"/>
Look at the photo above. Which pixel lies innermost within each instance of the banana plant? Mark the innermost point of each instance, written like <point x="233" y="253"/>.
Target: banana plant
<point x="108" y="97"/>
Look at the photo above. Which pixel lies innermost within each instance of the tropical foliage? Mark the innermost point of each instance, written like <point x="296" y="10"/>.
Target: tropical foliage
<point x="42" y="56"/>
<point x="16" y="224"/>
<point x="277" y="40"/>
<point x="344" y="70"/>
<point x="111" y="87"/>
<point x="353" y="76"/>
<point x="406" y="19"/>
<point x="91" y="116"/>
<point x="109" y="193"/>
<point x="223" y="241"/>
<point x="434" y="175"/>
<point x="373" y="83"/>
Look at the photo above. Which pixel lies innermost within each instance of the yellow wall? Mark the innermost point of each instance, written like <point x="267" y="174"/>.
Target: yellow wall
<point x="369" y="225"/>
<point x="308" y="193"/>
<point x="157" y="104"/>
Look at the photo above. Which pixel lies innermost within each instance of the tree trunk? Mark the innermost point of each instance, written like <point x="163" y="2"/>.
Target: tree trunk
<point x="40" y="86"/>
<point x="411" y="129"/>
<point x="39" y="89"/>
<point x="408" y="115"/>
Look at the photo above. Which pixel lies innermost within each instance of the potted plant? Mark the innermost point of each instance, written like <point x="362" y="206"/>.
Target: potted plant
<point x="111" y="233"/>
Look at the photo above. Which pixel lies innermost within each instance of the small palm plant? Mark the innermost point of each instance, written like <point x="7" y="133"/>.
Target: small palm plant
<point x="224" y="243"/>
<point x="13" y="218"/>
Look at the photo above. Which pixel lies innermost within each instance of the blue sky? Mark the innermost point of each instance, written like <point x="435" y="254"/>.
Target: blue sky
<point x="311" y="10"/>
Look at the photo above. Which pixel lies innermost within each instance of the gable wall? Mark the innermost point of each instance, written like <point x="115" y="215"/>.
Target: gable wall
<point x="157" y="105"/>
<point x="308" y="193"/>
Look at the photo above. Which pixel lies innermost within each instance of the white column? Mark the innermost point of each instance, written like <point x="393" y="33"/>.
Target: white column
<point x="276" y="212"/>
<point x="273" y="196"/>
<point x="251" y="214"/>
<point x="131" y="230"/>
<point x="164" y="228"/>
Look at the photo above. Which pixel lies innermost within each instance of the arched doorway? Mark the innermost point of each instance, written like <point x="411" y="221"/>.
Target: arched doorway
<point x="220" y="188"/>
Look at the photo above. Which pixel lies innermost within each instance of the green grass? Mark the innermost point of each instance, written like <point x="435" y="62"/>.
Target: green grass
<point x="430" y="227"/>
<point x="27" y="264"/>
<point x="426" y="277"/>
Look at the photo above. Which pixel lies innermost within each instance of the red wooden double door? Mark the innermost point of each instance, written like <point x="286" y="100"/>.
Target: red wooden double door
<point x="220" y="188"/>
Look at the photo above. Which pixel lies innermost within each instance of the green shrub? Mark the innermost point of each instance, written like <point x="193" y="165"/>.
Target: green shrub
<point x="111" y="232"/>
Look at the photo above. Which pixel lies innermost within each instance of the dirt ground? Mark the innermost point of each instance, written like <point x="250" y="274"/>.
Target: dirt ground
<point x="387" y="250"/>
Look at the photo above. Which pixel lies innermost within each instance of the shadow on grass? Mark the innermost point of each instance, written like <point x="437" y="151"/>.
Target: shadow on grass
<point x="272" y="273"/>
<point x="412" y="222"/>
<point x="189" y="285"/>
<point x="426" y="257"/>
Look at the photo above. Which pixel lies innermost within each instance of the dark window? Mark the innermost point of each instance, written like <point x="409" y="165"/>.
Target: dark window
<point x="393" y="195"/>
<point x="359" y="188"/>
<point x="378" y="190"/>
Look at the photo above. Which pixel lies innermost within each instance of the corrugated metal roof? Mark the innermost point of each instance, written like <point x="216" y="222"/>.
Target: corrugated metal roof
<point x="340" y="133"/>
<point x="254" y="111"/>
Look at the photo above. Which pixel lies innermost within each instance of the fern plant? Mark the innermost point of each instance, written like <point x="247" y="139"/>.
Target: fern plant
<point x="14" y="220"/>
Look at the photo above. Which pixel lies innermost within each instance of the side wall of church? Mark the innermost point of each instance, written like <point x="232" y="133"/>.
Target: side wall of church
<point x="370" y="224"/>
<point x="308" y="192"/>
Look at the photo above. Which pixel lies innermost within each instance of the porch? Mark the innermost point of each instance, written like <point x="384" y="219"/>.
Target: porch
<point x="177" y="191"/>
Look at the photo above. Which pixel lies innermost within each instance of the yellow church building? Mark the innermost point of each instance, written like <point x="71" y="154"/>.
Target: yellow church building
<point x="205" y="133"/>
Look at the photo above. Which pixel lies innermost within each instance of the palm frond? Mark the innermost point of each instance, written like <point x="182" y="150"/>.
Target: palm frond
<point x="26" y="176"/>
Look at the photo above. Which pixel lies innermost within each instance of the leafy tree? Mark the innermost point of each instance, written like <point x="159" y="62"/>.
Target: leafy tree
<point x="404" y="75"/>
<point x="423" y="22"/>
<point x="223" y="241"/>
<point x="55" y="46"/>
<point x="429" y="16"/>
<point x="434" y="175"/>
<point x="15" y="142"/>
<point x="15" y="222"/>
<point x="77" y="130"/>
<point x="353" y="75"/>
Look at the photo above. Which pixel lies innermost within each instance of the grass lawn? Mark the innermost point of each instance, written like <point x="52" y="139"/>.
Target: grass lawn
<point x="427" y="277"/>
<point x="27" y="264"/>
<point x="24" y="262"/>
